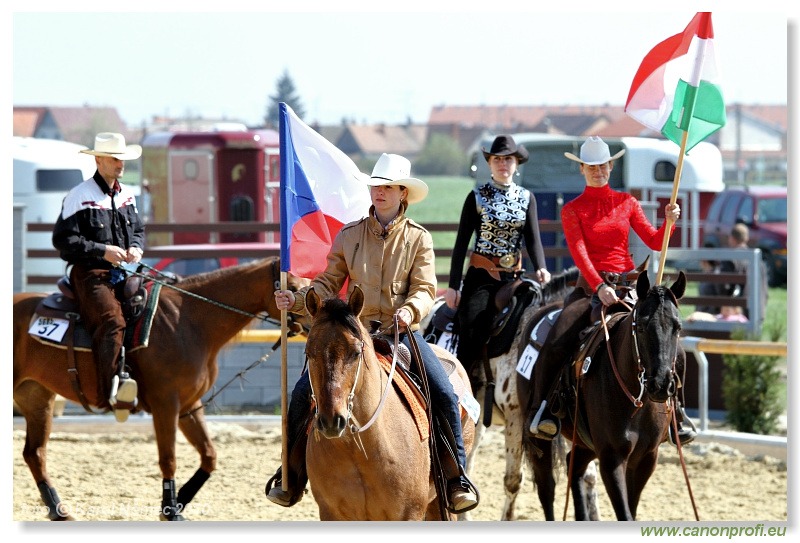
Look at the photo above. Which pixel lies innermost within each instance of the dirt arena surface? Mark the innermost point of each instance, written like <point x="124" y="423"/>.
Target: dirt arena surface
<point x="109" y="472"/>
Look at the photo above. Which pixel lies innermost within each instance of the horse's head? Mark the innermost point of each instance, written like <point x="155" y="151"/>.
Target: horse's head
<point x="657" y="323"/>
<point x="336" y="348"/>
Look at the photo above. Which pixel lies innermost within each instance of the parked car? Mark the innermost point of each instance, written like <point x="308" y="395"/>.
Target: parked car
<point x="763" y="209"/>
<point x="191" y="259"/>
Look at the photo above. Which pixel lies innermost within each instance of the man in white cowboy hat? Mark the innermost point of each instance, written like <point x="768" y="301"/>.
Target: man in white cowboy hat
<point x="596" y="226"/>
<point x="384" y="249"/>
<point x="97" y="230"/>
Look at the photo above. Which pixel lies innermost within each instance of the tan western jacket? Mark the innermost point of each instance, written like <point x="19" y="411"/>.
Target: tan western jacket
<point x="394" y="268"/>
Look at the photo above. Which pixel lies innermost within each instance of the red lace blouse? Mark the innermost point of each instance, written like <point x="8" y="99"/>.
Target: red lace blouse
<point x="596" y="227"/>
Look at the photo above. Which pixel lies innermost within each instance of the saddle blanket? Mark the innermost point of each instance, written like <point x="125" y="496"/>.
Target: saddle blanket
<point x="52" y="330"/>
<point x="535" y="342"/>
<point x="413" y="398"/>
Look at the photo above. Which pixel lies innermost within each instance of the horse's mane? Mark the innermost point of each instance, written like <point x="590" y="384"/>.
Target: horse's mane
<point x="660" y="294"/>
<point x="336" y="311"/>
<point x="559" y="284"/>
<point x="201" y="279"/>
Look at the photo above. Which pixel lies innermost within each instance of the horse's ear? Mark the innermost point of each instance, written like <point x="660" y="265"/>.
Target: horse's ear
<point x="642" y="285"/>
<point x="313" y="303"/>
<point x="678" y="288"/>
<point x="356" y="301"/>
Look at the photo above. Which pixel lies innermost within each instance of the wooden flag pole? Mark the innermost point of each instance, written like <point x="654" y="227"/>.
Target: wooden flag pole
<point x="667" y="233"/>
<point x="284" y="393"/>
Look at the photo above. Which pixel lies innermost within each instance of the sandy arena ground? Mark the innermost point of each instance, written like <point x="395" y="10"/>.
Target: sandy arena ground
<point x="109" y="472"/>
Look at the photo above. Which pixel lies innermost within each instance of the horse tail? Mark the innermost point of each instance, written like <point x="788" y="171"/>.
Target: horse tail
<point x="559" y="284"/>
<point x="558" y="454"/>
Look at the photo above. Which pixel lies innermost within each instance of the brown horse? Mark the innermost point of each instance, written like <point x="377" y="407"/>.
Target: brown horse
<point x="626" y="397"/>
<point x="384" y="472"/>
<point x="174" y="372"/>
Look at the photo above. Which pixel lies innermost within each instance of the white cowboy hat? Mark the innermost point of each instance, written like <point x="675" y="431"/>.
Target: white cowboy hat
<point x="396" y="170"/>
<point x="113" y="144"/>
<point x="594" y="151"/>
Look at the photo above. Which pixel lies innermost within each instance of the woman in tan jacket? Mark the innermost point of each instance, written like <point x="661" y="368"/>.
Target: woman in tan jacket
<point x="390" y="258"/>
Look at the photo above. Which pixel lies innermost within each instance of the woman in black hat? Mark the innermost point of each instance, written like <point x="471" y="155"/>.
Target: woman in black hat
<point x="501" y="215"/>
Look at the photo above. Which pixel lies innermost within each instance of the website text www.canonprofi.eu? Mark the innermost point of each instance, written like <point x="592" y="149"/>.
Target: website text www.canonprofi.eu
<point x="729" y="532"/>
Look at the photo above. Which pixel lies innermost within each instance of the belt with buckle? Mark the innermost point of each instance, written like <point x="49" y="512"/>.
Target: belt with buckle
<point x="495" y="265"/>
<point x="615" y="278"/>
<point x="609" y="278"/>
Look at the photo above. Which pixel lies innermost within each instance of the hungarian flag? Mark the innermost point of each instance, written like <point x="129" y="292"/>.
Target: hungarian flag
<point x="676" y="88"/>
<point x="321" y="191"/>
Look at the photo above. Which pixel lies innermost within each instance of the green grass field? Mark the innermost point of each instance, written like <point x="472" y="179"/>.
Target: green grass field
<point x="443" y="205"/>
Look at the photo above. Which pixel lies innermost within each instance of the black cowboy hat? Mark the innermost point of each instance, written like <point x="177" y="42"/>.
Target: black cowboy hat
<point x="505" y="145"/>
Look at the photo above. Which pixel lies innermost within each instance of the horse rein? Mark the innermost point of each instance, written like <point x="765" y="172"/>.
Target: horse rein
<point x="641" y="379"/>
<point x="167" y="284"/>
<point x="159" y="273"/>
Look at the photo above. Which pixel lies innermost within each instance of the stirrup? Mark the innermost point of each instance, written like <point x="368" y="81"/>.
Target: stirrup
<point x="543" y="429"/>
<point x="686" y="435"/>
<point x="277" y="495"/>
<point x="123" y="397"/>
<point x="548" y="429"/>
<point x="462" y="496"/>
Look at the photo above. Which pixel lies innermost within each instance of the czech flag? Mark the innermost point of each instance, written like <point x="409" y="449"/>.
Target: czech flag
<point x="321" y="191"/>
<point x="676" y="88"/>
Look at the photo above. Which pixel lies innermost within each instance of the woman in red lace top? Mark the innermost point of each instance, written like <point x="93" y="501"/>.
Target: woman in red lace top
<point x="596" y="226"/>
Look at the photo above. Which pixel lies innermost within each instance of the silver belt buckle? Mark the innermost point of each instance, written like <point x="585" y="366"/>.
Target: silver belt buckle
<point x="508" y="261"/>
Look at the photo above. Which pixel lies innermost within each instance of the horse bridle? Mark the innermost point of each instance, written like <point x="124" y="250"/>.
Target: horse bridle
<point x="641" y="377"/>
<point x="350" y="421"/>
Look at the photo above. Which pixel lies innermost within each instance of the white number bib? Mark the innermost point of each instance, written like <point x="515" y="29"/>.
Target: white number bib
<point x="527" y="360"/>
<point x="471" y="406"/>
<point x="49" y="328"/>
<point x="446" y="341"/>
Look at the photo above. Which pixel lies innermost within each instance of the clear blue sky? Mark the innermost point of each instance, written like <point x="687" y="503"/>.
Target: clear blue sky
<point x="373" y="67"/>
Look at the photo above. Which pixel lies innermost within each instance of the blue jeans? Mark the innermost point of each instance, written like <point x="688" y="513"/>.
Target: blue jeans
<point x="442" y="394"/>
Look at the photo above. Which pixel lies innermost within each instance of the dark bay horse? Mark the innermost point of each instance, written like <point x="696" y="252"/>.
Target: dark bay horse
<point x="174" y="372"/>
<point x="384" y="471"/>
<point x="507" y="410"/>
<point x="642" y="359"/>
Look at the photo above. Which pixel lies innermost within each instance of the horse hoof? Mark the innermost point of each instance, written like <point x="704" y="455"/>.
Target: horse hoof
<point x="175" y="517"/>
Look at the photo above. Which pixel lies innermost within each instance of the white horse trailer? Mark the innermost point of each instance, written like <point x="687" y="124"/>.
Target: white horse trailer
<point x="44" y="171"/>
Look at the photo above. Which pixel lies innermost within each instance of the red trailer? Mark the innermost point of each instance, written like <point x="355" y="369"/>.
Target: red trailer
<point x="208" y="177"/>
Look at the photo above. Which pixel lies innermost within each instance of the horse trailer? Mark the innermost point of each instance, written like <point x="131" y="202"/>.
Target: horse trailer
<point x="209" y="177"/>
<point x="44" y="171"/>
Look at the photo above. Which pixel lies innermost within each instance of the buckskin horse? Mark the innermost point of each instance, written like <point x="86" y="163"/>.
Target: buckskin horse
<point x="191" y="324"/>
<point x="368" y="456"/>
<point x="625" y="400"/>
